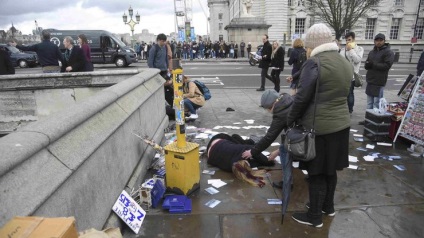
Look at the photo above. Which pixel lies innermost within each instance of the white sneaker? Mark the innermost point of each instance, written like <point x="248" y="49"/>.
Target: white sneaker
<point x="193" y="116"/>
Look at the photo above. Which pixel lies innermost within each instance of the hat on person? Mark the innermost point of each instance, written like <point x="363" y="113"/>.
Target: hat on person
<point x="380" y="36"/>
<point x="268" y="98"/>
<point x="317" y="35"/>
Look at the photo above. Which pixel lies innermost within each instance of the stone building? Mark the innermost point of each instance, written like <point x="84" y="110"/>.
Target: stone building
<point x="399" y="20"/>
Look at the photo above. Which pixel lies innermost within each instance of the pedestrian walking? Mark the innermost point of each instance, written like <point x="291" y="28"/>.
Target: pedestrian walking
<point x="83" y="44"/>
<point x="74" y="60"/>
<point x="236" y="51"/>
<point x="249" y="48"/>
<point x="331" y="73"/>
<point x="242" y="46"/>
<point x="264" y="63"/>
<point x="297" y="58"/>
<point x="48" y="53"/>
<point x="277" y="64"/>
<point x="6" y="66"/>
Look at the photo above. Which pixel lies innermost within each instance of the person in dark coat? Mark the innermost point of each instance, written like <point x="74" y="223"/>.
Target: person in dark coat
<point x="277" y="64"/>
<point x="279" y="105"/>
<point x="74" y="60"/>
<point x="265" y="62"/>
<point x="420" y="65"/>
<point x="294" y="59"/>
<point x="6" y="66"/>
<point x="379" y="61"/>
<point x="331" y="121"/>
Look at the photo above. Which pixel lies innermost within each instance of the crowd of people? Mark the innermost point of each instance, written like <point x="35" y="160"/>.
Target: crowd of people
<point x="198" y="50"/>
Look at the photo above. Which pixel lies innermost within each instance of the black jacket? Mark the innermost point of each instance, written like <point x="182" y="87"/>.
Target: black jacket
<point x="278" y="60"/>
<point x="378" y="64"/>
<point x="294" y="57"/>
<point x="6" y="66"/>
<point x="76" y="60"/>
<point x="420" y="65"/>
<point x="266" y="51"/>
<point x="278" y="124"/>
<point x="48" y="53"/>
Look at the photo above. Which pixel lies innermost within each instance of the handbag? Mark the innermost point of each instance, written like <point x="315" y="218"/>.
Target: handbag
<point x="298" y="141"/>
<point x="359" y="80"/>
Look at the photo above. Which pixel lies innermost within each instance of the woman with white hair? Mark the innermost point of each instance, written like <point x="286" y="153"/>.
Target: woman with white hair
<point x="331" y="120"/>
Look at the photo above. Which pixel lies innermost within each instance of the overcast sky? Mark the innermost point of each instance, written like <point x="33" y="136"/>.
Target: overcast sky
<point x="156" y="15"/>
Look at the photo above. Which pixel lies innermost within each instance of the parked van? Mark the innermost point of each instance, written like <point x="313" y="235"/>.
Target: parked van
<point x="105" y="47"/>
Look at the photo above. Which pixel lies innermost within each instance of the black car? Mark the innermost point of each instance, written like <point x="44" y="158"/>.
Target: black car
<point x="19" y="58"/>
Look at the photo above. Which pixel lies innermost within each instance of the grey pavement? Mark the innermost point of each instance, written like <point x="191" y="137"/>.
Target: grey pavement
<point x="379" y="201"/>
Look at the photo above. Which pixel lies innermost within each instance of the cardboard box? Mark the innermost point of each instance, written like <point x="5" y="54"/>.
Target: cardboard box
<point x="32" y="227"/>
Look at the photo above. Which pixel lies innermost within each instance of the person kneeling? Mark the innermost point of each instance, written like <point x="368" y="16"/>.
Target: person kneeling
<point x="193" y="98"/>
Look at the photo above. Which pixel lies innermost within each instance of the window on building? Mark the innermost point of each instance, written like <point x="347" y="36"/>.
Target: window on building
<point x="290" y="3"/>
<point x="290" y="28"/>
<point x="398" y="2"/>
<point x="220" y="16"/>
<point x="421" y="2"/>
<point x="369" y="28"/>
<point x="419" y="28"/>
<point x="394" y="29"/>
<point x="299" y="27"/>
<point x="220" y="26"/>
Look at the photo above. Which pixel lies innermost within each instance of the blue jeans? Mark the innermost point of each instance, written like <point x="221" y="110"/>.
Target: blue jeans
<point x="374" y="102"/>
<point x="351" y="97"/>
<point x="192" y="107"/>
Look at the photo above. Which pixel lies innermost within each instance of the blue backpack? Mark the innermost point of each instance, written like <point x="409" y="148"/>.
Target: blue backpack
<point x="203" y="89"/>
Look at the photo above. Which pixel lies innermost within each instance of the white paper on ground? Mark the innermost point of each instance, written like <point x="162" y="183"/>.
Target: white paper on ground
<point x="266" y="153"/>
<point x="250" y="121"/>
<point x="237" y="123"/>
<point x="361" y="149"/>
<point x="353" y="130"/>
<point x="305" y="172"/>
<point x="400" y="167"/>
<point x="245" y="137"/>
<point x="202" y="136"/>
<point x="384" y="144"/>
<point x="218" y="184"/>
<point x="353" y="159"/>
<point x="274" y="201"/>
<point x="352" y="166"/>
<point x="358" y="135"/>
<point x="369" y="158"/>
<point x="211" y="181"/>
<point x="295" y="164"/>
<point x="211" y="190"/>
<point x="369" y="146"/>
<point x="212" y="203"/>
<point x="210" y="172"/>
<point x="275" y="144"/>
<point x="394" y="157"/>
<point x="358" y="139"/>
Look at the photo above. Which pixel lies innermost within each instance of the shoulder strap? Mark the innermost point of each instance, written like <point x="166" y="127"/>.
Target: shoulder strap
<point x="316" y="59"/>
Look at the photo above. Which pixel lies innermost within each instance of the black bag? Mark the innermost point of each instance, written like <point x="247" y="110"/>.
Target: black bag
<point x="298" y="141"/>
<point x="359" y="80"/>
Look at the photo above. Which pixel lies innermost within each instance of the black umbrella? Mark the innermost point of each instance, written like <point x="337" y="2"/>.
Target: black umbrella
<point x="286" y="162"/>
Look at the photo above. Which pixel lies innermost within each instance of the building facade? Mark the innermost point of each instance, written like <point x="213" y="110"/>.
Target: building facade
<point x="399" y="20"/>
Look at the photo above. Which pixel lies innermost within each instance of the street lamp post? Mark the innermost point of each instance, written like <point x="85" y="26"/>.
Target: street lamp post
<point x="131" y="23"/>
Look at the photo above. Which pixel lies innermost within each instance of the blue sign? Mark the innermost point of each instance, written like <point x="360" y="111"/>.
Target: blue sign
<point x="192" y="35"/>
<point x="181" y="35"/>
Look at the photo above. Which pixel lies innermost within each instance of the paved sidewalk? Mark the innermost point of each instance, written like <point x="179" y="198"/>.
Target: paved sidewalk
<point x="379" y="201"/>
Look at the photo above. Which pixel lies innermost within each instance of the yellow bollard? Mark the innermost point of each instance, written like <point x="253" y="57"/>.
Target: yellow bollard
<point x="181" y="157"/>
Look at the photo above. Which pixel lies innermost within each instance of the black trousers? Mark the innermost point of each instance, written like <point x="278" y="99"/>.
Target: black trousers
<point x="321" y="195"/>
<point x="264" y="74"/>
<point x="275" y="75"/>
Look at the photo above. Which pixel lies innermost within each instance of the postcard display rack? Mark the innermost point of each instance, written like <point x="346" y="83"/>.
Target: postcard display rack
<point x="412" y="125"/>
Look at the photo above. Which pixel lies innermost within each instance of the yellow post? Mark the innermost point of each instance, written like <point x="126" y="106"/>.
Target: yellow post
<point x="181" y="158"/>
<point x="177" y="78"/>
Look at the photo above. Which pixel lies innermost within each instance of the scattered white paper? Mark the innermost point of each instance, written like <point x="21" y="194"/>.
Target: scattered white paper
<point x="202" y="136"/>
<point x="250" y="121"/>
<point x="369" y="146"/>
<point x="211" y="190"/>
<point x="17" y="145"/>
<point x="361" y="149"/>
<point x="384" y="144"/>
<point x="400" y="167"/>
<point x="305" y="172"/>
<point x="219" y="184"/>
<point x="369" y="158"/>
<point x="211" y="181"/>
<point x="266" y="153"/>
<point x="358" y="135"/>
<point x="394" y="157"/>
<point x="353" y="159"/>
<point x="275" y="144"/>
<point x="237" y="123"/>
<point x="210" y="172"/>
<point x="212" y="203"/>
<point x="353" y="130"/>
<point x="278" y="159"/>
<point x="351" y="166"/>
<point x="415" y="155"/>
<point x="295" y="164"/>
<point x="359" y="139"/>
<point x="245" y="137"/>
<point x="274" y="201"/>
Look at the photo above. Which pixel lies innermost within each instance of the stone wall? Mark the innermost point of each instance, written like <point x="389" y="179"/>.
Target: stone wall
<point x="77" y="161"/>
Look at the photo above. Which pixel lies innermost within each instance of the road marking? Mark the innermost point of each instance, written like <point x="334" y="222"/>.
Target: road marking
<point x="209" y="81"/>
<point x="238" y="87"/>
